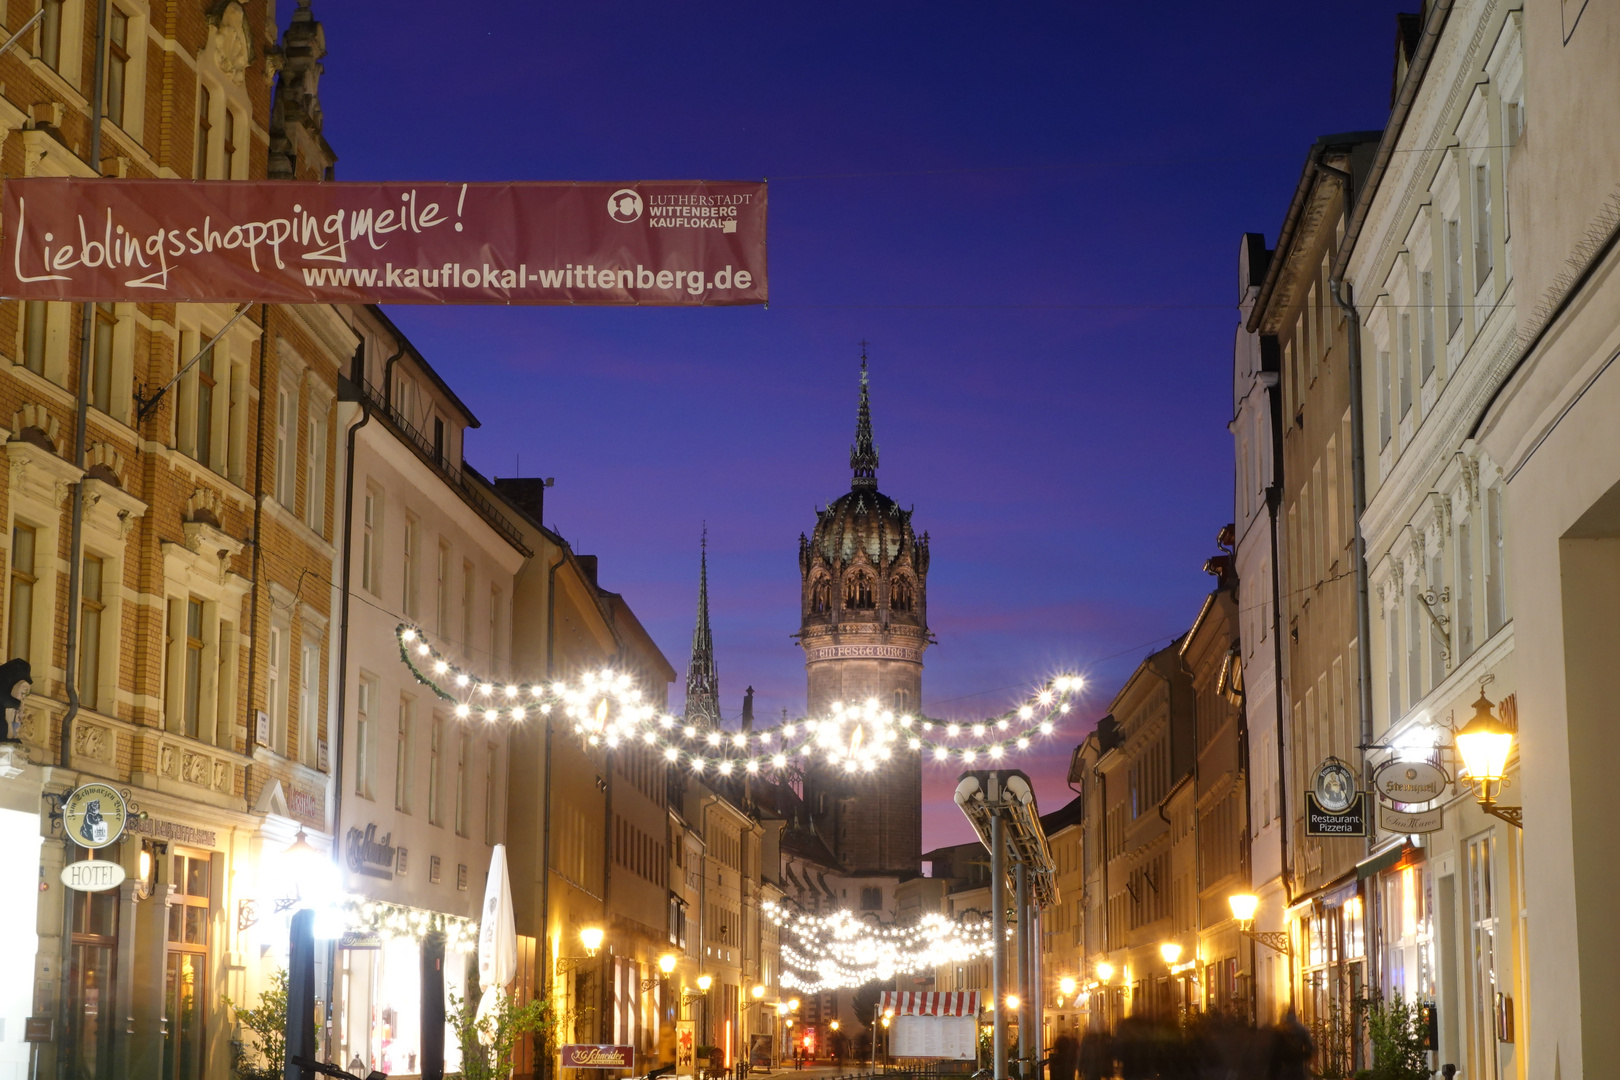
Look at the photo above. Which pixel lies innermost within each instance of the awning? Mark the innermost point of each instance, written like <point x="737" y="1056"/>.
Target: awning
<point x="1391" y="856"/>
<point x="930" y="1003"/>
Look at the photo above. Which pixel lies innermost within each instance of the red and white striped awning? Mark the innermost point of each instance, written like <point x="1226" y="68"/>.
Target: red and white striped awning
<point x="918" y="1003"/>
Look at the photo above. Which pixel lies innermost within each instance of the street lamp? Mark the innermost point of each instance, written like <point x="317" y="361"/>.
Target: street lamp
<point x="793" y="1003"/>
<point x="1105" y="970"/>
<point x="1171" y="951"/>
<point x="1243" y="907"/>
<point x="833" y="1025"/>
<point x="666" y="963"/>
<point x="758" y="991"/>
<point x="704" y="982"/>
<point x="1484" y="743"/>
<point x="591" y="938"/>
<point x="1013" y="1002"/>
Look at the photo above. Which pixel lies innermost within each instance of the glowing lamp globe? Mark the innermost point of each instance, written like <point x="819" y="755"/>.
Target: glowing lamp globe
<point x="1105" y="970"/>
<point x="1067" y="986"/>
<point x="1012" y="1001"/>
<point x="793" y="1004"/>
<point x="704" y="982"/>
<point x="1484" y="743"/>
<point x="666" y="963"/>
<point x="758" y="992"/>
<point x="1243" y="906"/>
<point x="834" y="1025"/>
<point x="1171" y="952"/>
<point x="591" y="938"/>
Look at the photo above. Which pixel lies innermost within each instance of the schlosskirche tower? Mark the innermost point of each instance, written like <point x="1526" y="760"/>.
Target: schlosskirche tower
<point x="863" y="626"/>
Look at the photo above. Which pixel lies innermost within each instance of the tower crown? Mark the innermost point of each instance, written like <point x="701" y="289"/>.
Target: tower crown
<point x="702" y="679"/>
<point x="863" y="456"/>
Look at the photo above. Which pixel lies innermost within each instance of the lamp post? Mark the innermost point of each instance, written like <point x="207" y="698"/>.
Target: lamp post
<point x="1484" y="743"/>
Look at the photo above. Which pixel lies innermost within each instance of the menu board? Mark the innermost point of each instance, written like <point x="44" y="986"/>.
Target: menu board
<point x="934" y="1037"/>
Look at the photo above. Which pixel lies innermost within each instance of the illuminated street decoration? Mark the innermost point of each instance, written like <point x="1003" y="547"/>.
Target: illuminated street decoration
<point x="840" y="950"/>
<point x="607" y="709"/>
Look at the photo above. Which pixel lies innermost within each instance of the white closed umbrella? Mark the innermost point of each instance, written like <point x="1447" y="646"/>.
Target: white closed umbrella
<point x="497" y="935"/>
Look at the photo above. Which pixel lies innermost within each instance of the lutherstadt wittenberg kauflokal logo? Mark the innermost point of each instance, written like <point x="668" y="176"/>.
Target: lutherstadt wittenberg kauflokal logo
<point x="624" y="206"/>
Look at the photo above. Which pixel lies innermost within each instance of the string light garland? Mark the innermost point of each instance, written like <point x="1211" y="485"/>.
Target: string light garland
<point x="607" y="709"/>
<point x="839" y="950"/>
<point x="396" y="922"/>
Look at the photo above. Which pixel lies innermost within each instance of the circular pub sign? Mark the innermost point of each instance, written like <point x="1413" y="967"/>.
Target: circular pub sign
<point x="1410" y="781"/>
<point x="94" y="816"/>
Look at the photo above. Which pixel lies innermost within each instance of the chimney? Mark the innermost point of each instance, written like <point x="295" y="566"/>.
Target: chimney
<point x="527" y="493"/>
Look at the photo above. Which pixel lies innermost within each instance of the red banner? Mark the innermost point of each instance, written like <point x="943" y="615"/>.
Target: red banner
<point x="676" y="243"/>
<point x="588" y="1056"/>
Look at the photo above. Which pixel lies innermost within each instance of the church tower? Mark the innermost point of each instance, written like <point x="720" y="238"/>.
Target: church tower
<point x="863" y="627"/>
<point x="702" y="680"/>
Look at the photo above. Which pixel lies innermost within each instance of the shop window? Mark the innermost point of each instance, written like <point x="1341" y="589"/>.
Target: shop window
<point x="1483" y="960"/>
<point x="185" y="984"/>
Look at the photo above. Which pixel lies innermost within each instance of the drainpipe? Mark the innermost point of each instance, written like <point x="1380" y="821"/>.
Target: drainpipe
<point x="545" y="843"/>
<point x="1274" y="510"/>
<point x="258" y="519"/>
<point x="1343" y="296"/>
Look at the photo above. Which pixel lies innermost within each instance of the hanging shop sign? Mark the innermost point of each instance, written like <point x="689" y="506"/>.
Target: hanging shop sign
<point x="1400" y="821"/>
<point x="1334" y="786"/>
<point x="94" y="816"/>
<point x="92" y="875"/>
<point x="668" y="243"/>
<point x="1410" y="781"/>
<point x="591" y="1056"/>
<point x="370" y="856"/>
<point x="1351" y="821"/>
<point x="360" y="939"/>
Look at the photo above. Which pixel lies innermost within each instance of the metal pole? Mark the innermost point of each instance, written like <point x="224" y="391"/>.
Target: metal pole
<point x="1025" y="994"/>
<point x="998" y="949"/>
<point x="1037" y="989"/>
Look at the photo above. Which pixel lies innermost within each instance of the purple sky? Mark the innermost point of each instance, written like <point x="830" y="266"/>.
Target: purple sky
<point x="1032" y="213"/>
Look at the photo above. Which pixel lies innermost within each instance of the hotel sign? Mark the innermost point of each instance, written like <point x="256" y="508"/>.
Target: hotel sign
<point x="92" y="875"/>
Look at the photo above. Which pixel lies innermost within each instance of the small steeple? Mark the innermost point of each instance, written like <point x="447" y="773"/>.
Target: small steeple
<point x="863" y="456"/>
<point x="702" y="681"/>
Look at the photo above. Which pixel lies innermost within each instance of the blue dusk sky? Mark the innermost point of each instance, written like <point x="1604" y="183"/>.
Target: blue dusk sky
<point x="1031" y="212"/>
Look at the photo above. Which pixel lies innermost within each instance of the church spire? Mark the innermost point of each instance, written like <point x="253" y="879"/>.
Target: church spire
<point x="702" y="681"/>
<point x="863" y="456"/>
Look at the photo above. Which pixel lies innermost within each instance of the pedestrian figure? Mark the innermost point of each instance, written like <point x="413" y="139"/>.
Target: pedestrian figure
<point x="1065" y="1056"/>
<point x="1096" y="1056"/>
<point x="1291" y="1049"/>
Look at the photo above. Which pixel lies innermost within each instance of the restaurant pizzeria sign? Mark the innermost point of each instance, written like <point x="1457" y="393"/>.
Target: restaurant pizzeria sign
<point x="658" y="243"/>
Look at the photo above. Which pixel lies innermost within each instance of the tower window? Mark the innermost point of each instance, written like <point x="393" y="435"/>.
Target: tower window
<point x="821" y="597"/>
<point x="901" y="594"/>
<point x="858" y="593"/>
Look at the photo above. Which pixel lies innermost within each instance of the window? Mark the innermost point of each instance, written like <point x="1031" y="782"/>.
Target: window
<point x="1465" y="592"/>
<point x="408" y="569"/>
<point x="1393" y="662"/>
<point x="871" y="898"/>
<point x="494" y="622"/>
<point x="185" y="982"/>
<point x="901" y="594"/>
<point x="1414" y="645"/>
<point x="435" y="744"/>
<point x="204" y="441"/>
<point x="1438" y="644"/>
<point x="1482" y="952"/>
<point x="365" y="705"/>
<point x="35" y="320"/>
<point x="1406" y="363"/>
<point x="492" y="788"/>
<point x="50" y="34"/>
<point x="315" y="470"/>
<point x="858" y="593"/>
<point x="1425" y="316"/>
<point x="194" y="667"/>
<point x="276" y="689"/>
<point x="205" y="125"/>
<point x="1495" y="568"/>
<point x="438" y="439"/>
<point x="1453" y="277"/>
<point x="309" y="703"/>
<point x="228" y="170"/>
<point x="22" y="591"/>
<point x="1482" y="224"/>
<point x="92" y="982"/>
<point x="441" y="590"/>
<point x="463" y="745"/>
<point x="1384" y="425"/>
<point x="286" y="450"/>
<point x="102" y="367"/>
<point x="402" y="757"/>
<point x="370" y="519"/>
<point x="466" y="605"/>
<point x="90" y="609"/>
<point x="902" y="702"/>
<point x="117" y="63"/>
